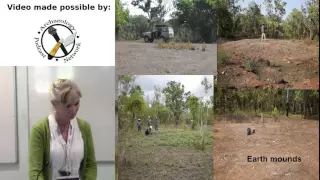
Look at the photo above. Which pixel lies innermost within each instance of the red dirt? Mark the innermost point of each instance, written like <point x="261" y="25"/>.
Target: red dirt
<point x="312" y="83"/>
<point x="292" y="64"/>
<point x="287" y="138"/>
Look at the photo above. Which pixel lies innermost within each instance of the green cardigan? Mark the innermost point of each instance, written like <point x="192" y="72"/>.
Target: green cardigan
<point x="39" y="152"/>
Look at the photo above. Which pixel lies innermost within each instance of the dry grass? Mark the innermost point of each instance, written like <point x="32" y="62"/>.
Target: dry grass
<point x="181" y="46"/>
<point x="223" y="58"/>
<point x="171" y="153"/>
<point x="287" y="138"/>
<point x="310" y="42"/>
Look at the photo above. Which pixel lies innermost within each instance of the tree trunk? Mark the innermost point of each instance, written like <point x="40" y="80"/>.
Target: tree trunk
<point x="317" y="110"/>
<point x="255" y="108"/>
<point x="176" y="117"/>
<point x="311" y="109"/>
<point x="224" y="104"/>
<point x="207" y="116"/>
<point x="133" y="119"/>
<point x="201" y="123"/>
<point x="305" y="111"/>
<point x="274" y="101"/>
<point x="305" y="105"/>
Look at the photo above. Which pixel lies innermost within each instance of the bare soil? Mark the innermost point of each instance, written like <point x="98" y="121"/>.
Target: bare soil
<point x="278" y="63"/>
<point x="166" y="154"/>
<point x="290" y="137"/>
<point x="140" y="58"/>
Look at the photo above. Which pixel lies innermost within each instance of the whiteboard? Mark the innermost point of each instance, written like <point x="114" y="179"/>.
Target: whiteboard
<point x="8" y="125"/>
<point x="97" y="105"/>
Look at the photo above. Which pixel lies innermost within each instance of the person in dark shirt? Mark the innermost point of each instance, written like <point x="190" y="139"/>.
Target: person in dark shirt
<point x="148" y="131"/>
<point x="139" y="125"/>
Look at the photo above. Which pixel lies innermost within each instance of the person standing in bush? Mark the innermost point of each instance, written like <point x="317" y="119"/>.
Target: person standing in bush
<point x="263" y="35"/>
<point x="156" y="124"/>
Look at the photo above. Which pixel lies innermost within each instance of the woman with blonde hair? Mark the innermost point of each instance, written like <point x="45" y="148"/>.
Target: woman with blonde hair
<point x="61" y="145"/>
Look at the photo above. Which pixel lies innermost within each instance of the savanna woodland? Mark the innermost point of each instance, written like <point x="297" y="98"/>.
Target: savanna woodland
<point x="182" y="146"/>
<point x="279" y="124"/>
<point x="172" y="105"/>
<point x="192" y="21"/>
<point x="204" y="20"/>
<point x="287" y="58"/>
<point x="244" y="22"/>
<point x="269" y="101"/>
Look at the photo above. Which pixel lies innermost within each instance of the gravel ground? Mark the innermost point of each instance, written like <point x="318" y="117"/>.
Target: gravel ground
<point x="139" y="58"/>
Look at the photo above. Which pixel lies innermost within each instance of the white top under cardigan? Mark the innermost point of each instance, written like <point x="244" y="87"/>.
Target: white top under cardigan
<point x="65" y="156"/>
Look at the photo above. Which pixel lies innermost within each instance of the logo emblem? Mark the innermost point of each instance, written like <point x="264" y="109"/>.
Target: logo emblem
<point x="57" y="39"/>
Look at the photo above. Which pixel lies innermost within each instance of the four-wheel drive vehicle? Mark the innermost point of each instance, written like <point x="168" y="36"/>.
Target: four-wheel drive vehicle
<point x="163" y="32"/>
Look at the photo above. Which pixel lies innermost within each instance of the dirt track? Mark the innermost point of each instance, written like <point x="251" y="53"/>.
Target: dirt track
<point x="139" y="58"/>
<point x="287" y="138"/>
<point x="276" y="63"/>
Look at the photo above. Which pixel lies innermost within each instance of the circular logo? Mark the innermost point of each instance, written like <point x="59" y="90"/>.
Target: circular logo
<point x="57" y="40"/>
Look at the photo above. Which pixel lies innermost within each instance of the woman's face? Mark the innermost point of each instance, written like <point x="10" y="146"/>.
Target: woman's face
<point x="66" y="112"/>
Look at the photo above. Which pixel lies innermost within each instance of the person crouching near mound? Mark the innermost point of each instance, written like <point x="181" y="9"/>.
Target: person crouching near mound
<point x="148" y="131"/>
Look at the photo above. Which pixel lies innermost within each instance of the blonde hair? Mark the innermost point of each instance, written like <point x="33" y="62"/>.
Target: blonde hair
<point x="60" y="91"/>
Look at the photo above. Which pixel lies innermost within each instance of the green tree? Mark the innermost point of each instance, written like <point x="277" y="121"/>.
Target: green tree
<point x="136" y="89"/>
<point x="155" y="10"/>
<point x="276" y="11"/>
<point x="135" y="105"/>
<point x="195" y="19"/>
<point x="157" y="97"/>
<point x="311" y="14"/>
<point x="207" y="87"/>
<point x="193" y="106"/>
<point x="173" y="93"/>
<point x="137" y="24"/>
<point x="121" y="16"/>
<point x="294" y="25"/>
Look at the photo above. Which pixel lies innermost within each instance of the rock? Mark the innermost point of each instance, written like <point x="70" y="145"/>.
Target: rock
<point x="282" y="81"/>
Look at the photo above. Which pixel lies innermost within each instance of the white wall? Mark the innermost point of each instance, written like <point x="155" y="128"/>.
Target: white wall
<point x="19" y="170"/>
<point x="8" y="127"/>
<point x="97" y="105"/>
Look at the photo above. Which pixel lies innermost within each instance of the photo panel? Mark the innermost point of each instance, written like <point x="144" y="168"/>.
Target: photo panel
<point x="166" y="38"/>
<point x="165" y="127"/>
<point x="269" y="44"/>
<point x="45" y="106"/>
<point x="266" y="133"/>
<point x="266" y="103"/>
